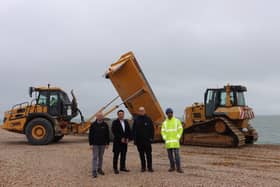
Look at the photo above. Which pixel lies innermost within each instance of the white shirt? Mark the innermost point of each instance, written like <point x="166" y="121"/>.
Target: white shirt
<point x="123" y="125"/>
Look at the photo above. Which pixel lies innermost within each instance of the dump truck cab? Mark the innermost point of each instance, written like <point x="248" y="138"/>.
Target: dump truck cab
<point x="46" y="118"/>
<point x="55" y="100"/>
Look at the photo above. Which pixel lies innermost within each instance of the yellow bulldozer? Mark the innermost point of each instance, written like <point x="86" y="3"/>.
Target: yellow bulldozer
<point x="223" y="120"/>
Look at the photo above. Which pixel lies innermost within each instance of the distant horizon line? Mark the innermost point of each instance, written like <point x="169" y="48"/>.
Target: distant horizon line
<point x="259" y="115"/>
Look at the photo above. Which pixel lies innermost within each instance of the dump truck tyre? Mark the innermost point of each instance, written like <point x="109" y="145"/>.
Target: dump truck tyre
<point x="39" y="131"/>
<point x="57" y="138"/>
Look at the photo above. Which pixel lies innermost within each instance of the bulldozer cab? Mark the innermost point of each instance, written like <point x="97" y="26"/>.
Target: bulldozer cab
<point x="55" y="99"/>
<point x="228" y="96"/>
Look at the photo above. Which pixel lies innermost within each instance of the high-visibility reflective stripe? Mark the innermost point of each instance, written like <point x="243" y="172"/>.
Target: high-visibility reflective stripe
<point x="171" y="130"/>
<point x="172" y="141"/>
<point x="178" y="136"/>
<point x="164" y="126"/>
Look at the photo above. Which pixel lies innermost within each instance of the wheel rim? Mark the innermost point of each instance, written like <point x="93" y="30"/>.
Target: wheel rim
<point x="38" y="132"/>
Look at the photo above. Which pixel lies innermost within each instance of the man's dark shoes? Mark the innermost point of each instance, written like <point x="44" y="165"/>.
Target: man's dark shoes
<point x="116" y="171"/>
<point x="94" y="175"/>
<point x="100" y="172"/>
<point x="171" y="170"/>
<point x="180" y="170"/>
<point x="124" y="170"/>
<point x="143" y="169"/>
<point x="150" y="170"/>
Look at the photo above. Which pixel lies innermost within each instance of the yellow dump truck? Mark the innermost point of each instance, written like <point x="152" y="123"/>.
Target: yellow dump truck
<point x="47" y="117"/>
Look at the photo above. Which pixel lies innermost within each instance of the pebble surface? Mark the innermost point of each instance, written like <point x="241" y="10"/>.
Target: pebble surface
<point x="68" y="163"/>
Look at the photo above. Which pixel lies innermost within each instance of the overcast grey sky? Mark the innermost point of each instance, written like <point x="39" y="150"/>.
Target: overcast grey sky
<point x="183" y="47"/>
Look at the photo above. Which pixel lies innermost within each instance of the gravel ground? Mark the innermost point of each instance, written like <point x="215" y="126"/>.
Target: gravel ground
<point x="68" y="163"/>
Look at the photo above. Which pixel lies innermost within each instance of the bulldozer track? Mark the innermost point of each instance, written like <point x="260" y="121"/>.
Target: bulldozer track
<point x="239" y="136"/>
<point x="253" y="132"/>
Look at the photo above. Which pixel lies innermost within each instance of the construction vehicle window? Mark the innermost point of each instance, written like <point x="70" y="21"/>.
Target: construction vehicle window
<point x="209" y="96"/>
<point x="240" y="99"/>
<point x="42" y="100"/>
<point x="53" y="100"/>
<point x="223" y="98"/>
<point x="232" y="100"/>
<point x="65" y="99"/>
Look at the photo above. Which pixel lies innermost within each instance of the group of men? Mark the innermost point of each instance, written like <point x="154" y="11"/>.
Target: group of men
<point x="142" y="134"/>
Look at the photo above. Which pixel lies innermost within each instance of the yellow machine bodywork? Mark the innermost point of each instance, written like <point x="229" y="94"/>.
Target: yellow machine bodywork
<point x="15" y="119"/>
<point x="196" y="114"/>
<point x="134" y="89"/>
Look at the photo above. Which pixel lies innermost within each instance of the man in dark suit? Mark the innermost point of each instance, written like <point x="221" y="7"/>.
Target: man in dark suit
<point x="122" y="134"/>
<point x="143" y="133"/>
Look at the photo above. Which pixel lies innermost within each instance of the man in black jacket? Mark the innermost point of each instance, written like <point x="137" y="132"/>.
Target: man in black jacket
<point x="143" y="133"/>
<point x="121" y="132"/>
<point x="98" y="140"/>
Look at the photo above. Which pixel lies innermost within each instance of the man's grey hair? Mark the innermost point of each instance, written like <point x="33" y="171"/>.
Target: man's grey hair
<point x="141" y="108"/>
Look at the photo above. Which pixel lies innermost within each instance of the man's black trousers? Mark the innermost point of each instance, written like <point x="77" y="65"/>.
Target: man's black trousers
<point x="122" y="150"/>
<point x="145" y="153"/>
